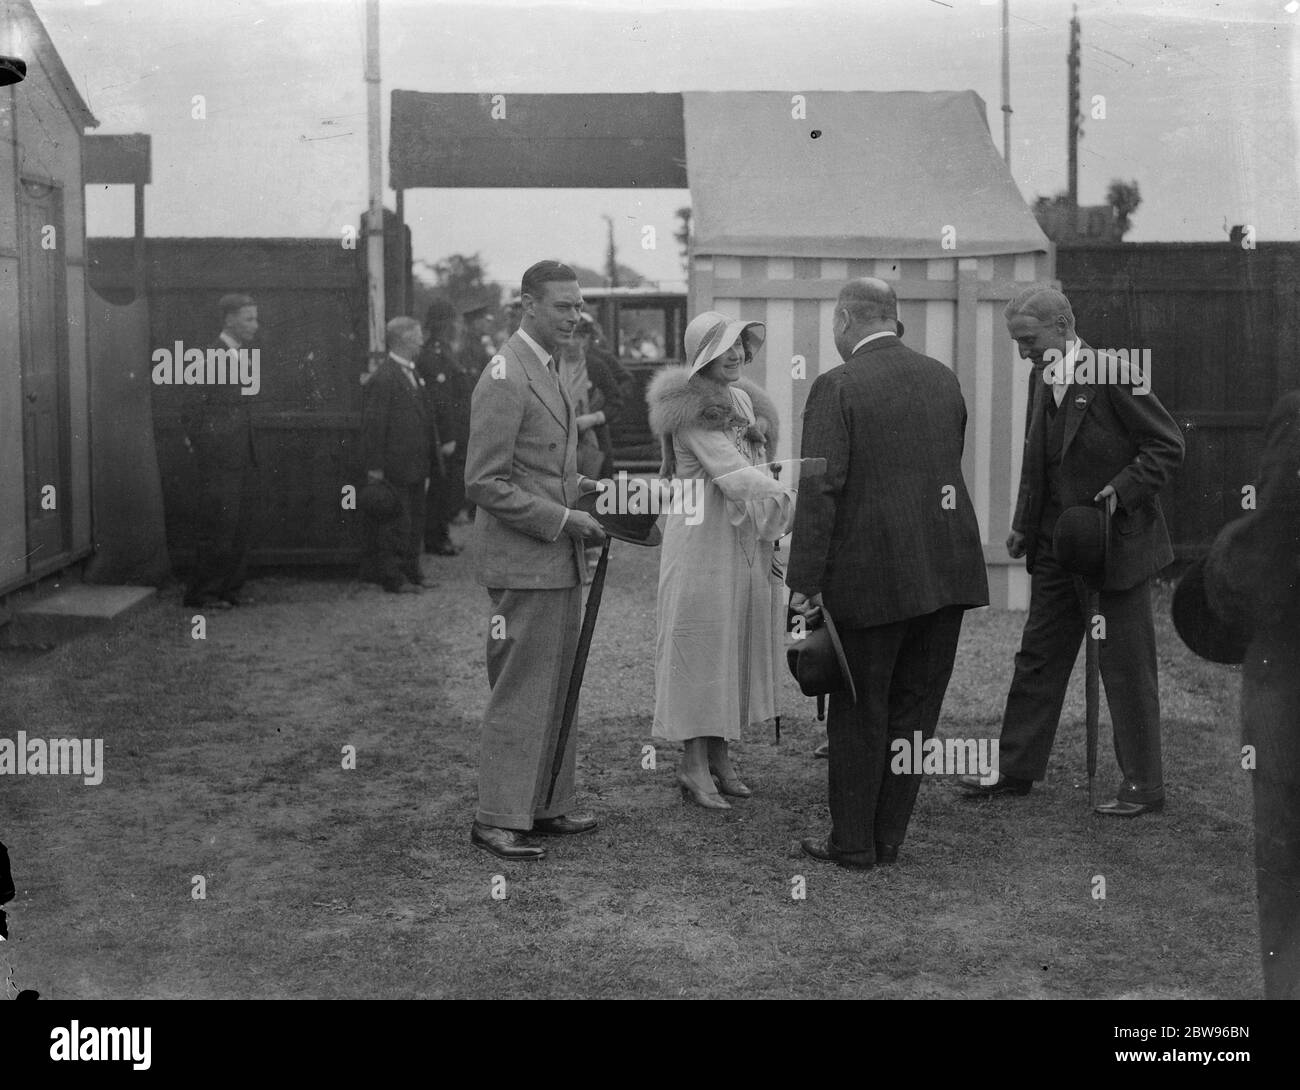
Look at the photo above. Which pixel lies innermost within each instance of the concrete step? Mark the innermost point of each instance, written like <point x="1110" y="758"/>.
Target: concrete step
<point x="70" y="612"/>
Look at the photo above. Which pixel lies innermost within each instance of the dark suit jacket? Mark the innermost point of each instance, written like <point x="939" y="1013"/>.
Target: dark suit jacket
<point x="1112" y="436"/>
<point x="610" y="401"/>
<point x="218" y="421"/>
<point x="874" y="535"/>
<point x="449" y="389"/>
<point x="394" y="426"/>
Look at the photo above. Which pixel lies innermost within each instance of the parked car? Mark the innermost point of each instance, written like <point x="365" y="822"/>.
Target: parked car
<point x="643" y="327"/>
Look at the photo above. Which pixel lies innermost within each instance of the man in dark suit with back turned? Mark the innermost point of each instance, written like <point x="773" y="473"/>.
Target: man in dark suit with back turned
<point x="1087" y="442"/>
<point x="395" y="447"/>
<point x="888" y="541"/>
<point x="218" y="425"/>
<point x="522" y="473"/>
<point x="1247" y="610"/>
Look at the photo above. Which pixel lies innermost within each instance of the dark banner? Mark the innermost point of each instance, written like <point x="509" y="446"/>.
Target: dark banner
<point x="517" y="141"/>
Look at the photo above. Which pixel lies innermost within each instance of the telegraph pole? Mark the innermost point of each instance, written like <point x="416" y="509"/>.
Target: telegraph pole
<point x="1073" y="169"/>
<point x="1006" y="82"/>
<point x="375" y="216"/>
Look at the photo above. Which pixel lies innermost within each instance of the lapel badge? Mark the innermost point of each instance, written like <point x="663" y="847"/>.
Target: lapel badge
<point x="1081" y="402"/>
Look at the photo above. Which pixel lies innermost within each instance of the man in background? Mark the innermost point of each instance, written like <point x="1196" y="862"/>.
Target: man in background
<point x="448" y="391"/>
<point x="1087" y="442"/>
<point x="396" y="432"/>
<point x="218" y="425"/>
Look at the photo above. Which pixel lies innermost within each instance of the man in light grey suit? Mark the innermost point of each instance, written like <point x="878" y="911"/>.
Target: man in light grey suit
<point x="521" y="470"/>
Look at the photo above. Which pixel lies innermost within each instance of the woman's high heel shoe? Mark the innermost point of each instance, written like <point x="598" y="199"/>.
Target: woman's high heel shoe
<point x="731" y="785"/>
<point x="710" y="800"/>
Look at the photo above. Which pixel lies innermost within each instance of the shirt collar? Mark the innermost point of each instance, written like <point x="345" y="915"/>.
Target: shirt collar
<point x="403" y="362"/>
<point x="230" y="341"/>
<point x="538" y="350"/>
<point x="871" y="337"/>
<point x="1066" y="370"/>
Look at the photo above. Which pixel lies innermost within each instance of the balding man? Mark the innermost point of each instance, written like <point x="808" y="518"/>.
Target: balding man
<point x="395" y="436"/>
<point x="1088" y="441"/>
<point x="887" y="540"/>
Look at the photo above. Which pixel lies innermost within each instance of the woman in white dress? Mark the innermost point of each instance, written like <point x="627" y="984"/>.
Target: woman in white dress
<point x="720" y="604"/>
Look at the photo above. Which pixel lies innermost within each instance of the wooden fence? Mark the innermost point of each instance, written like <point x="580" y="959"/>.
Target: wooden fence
<point x="1221" y="323"/>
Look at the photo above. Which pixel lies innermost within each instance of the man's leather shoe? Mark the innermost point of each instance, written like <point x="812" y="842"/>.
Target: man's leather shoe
<point x="507" y="843"/>
<point x="1003" y="785"/>
<point x="565" y="825"/>
<point x="1120" y="808"/>
<point x="819" y="847"/>
<point x="886" y="853"/>
<point x="823" y="750"/>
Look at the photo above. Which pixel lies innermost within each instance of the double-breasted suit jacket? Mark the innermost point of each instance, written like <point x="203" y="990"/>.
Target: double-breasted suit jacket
<point x="521" y="470"/>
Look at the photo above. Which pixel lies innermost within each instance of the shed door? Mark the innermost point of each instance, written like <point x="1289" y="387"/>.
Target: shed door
<point x="43" y="329"/>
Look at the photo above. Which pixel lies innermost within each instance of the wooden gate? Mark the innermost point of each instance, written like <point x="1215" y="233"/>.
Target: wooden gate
<point x="1222" y="325"/>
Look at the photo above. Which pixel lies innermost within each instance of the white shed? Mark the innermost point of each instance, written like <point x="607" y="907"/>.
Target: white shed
<point x="45" y="451"/>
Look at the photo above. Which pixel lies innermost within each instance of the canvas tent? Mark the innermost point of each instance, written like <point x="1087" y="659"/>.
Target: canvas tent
<point x="794" y="194"/>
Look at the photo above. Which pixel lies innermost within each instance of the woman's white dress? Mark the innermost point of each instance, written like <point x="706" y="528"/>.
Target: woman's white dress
<point x="720" y="603"/>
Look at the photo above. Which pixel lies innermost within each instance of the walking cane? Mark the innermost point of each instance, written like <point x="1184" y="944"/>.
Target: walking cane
<point x="579" y="667"/>
<point x="1092" y="696"/>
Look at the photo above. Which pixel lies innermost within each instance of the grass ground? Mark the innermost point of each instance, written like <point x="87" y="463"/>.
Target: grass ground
<point x="224" y="760"/>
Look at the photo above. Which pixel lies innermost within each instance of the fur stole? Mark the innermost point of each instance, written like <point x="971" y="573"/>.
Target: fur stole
<point x="678" y="401"/>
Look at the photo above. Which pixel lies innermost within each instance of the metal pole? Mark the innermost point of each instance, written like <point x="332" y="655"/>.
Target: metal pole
<point x="375" y="215"/>
<point x="137" y="245"/>
<point x="403" y="258"/>
<point x="1006" y="82"/>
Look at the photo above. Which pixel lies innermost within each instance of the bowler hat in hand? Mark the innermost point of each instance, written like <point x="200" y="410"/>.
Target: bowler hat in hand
<point x="637" y="529"/>
<point x="379" y="501"/>
<point x="1081" y="542"/>
<point x="818" y="664"/>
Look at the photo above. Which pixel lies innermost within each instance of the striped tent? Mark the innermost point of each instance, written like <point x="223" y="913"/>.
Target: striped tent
<point x="795" y="193"/>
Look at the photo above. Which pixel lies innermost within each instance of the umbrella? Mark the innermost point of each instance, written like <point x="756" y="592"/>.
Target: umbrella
<point x="636" y="529"/>
<point x="1081" y="542"/>
<point x="1092" y="697"/>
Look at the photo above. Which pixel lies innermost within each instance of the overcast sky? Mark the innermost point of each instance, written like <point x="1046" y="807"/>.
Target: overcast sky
<point x="1201" y="102"/>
